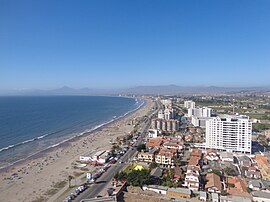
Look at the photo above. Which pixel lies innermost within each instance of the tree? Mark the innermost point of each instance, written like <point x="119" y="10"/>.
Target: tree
<point x="141" y="147"/>
<point x="217" y="172"/>
<point x="120" y="176"/>
<point x="138" y="177"/>
<point x="230" y="171"/>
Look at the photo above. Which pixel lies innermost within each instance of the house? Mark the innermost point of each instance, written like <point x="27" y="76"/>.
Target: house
<point x="152" y="133"/>
<point x="192" y="178"/>
<point x="166" y="157"/>
<point x="179" y="192"/>
<point x="211" y="156"/>
<point x="173" y="145"/>
<point x="196" y="152"/>
<point x="213" y="183"/>
<point x="256" y="185"/>
<point x="178" y="173"/>
<point x="194" y="161"/>
<point x="261" y="196"/>
<point x="252" y="173"/>
<point x="203" y="196"/>
<point x="154" y="142"/>
<point x="156" y="188"/>
<point x="244" y="161"/>
<point x="237" y="186"/>
<point x="147" y="156"/>
<point x="226" y="156"/>
<point x="215" y="197"/>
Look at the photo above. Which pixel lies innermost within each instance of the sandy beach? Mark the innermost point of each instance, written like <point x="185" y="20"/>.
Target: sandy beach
<point x="40" y="178"/>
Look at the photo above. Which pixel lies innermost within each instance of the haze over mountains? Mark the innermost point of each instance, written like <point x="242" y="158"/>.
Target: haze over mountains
<point x="139" y="90"/>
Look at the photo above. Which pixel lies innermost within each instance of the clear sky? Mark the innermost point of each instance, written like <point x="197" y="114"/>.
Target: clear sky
<point x="112" y="44"/>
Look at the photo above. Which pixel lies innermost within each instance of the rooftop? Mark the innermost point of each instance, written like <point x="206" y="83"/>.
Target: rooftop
<point x="261" y="194"/>
<point x="156" y="172"/>
<point x="180" y="190"/>
<point x="213" y="180"/>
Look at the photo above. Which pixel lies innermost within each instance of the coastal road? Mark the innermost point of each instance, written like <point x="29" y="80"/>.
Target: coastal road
<point x="106" y="178"/>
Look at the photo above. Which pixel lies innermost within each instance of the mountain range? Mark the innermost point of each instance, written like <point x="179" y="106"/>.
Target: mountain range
<point x="139" y="90"/>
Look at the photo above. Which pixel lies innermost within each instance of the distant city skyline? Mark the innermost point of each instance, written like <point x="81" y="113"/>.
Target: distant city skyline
<point x="123" y="44"/>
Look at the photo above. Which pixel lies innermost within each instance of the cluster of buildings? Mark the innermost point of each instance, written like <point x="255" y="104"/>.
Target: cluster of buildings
<point x="163" y="151"/>
<point x="232" y="133"/>
<point x="198" y="116"/>
<point x="222" y="169"/>
<point x="166" y="120"/>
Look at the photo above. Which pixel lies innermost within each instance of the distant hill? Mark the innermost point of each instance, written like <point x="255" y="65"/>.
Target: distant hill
<point x="139" y="90"/>
<point x="177" y="90"/>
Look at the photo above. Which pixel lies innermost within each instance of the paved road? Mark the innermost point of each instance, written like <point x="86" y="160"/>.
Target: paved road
<point x="102" y="182"/>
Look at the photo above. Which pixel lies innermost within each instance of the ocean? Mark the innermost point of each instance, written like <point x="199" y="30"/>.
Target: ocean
<point x="29" y="125"/>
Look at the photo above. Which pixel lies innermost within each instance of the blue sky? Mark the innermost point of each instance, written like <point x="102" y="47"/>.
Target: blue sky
<point x="114" y="44"/>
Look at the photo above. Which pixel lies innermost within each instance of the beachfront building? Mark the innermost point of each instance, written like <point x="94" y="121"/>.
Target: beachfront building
<point x="165" y="125"/>
<point x="230" y="133"/>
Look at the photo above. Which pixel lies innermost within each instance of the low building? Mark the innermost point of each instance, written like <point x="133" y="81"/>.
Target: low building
<point x="215" y="197"/>
<point x="154" y="142"/>
<point x="178" y="173"/>
<point x="179" y="192"/>
<point x="213" y="183"/>
<point x="153" y="133"/>
<point x="192" y="178"/>
<point x="203" y="196"/>
<point x="156" y="188"/>
<point x="253" y="173"/>
<point x="166" y="157"/>
<point x="237" y="186"/>
<point x="173" y="145"/>
<point x="244" y="161"/>
<point x="147" y="156"/>
<point x="226" y="156"/>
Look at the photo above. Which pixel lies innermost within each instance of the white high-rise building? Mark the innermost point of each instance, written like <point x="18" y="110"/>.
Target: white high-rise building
<point x="161" y="114"/>
<point x="200" y="112"/>
<point x="189" y="104"/>
<point x="231" y="133"/>
<point x="167" y="114"/>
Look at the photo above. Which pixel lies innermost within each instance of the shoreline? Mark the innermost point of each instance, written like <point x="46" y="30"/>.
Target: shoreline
<point x="39" y="178"/>
<point x="71" y="139"/>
